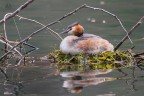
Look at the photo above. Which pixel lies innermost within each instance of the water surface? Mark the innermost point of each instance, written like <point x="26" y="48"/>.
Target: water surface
<point x="40" y="79"/>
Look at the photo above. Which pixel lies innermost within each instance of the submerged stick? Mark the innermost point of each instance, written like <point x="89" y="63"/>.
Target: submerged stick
<point x="16" y="11"/>
<point x="131" y="30"/>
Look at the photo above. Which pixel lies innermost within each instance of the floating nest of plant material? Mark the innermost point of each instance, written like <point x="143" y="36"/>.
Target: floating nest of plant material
<point x="82" y="62"/>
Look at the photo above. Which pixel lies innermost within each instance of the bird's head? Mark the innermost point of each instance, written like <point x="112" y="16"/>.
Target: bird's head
<point x="74" y="29"/>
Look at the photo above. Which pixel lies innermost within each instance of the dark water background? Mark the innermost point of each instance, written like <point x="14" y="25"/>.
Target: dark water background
<point x="41" y="79"/>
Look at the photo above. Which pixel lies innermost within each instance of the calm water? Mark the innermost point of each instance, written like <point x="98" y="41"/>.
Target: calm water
<point x="41" y="79"/>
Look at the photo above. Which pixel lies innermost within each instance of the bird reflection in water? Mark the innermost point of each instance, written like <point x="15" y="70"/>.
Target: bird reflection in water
<point x="77" y="81"/>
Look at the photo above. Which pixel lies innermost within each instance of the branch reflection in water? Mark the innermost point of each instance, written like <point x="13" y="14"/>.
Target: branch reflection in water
<point x="13" y="88"/>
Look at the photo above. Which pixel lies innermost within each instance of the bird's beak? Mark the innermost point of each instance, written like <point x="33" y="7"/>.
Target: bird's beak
<point x="66" y="31"/>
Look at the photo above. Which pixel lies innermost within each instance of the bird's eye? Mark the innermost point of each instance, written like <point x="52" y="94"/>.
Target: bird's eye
<point x="70" y="28"/>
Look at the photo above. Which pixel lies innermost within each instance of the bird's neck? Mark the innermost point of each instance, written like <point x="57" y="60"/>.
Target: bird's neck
<point x="78" y="34"/>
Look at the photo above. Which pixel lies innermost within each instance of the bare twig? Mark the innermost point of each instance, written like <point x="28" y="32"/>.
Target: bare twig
<point x="2" y="40"/>
<point x="113" y="16"/>
<point x="16" y="11"/>
<point x="5" y="34"/>
<point x="20" y="17"/>
<point x="131" y="30"/>
<point x="138" y="54"/>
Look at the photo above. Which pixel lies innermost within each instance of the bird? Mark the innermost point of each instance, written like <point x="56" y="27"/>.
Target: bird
<point x="79" y="42"/>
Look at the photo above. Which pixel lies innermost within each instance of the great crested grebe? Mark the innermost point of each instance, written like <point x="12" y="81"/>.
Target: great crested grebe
<point x="80" y="42"/>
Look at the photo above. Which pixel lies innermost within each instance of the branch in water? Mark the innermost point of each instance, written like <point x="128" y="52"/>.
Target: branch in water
<point x="2" y="40"/>
<point x="16" y="11"/>
<point x="131" y="30"/>
<point x="138" y="54"/>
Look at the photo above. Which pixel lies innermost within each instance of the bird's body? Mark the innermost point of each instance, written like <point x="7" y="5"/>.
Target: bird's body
<point x="79" y="42"/>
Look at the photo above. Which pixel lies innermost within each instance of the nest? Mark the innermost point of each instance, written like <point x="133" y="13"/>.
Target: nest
<point x="82" y="62"/>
